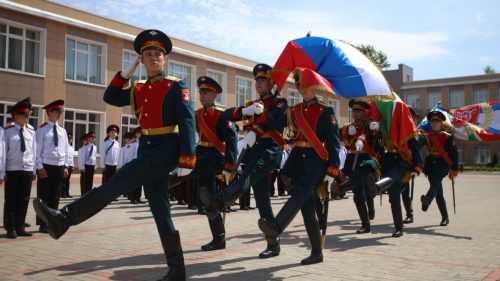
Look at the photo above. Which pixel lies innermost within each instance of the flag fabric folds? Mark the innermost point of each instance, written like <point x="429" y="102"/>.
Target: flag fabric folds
<point x="473" y="123"/>
<point x="350" y="73"/>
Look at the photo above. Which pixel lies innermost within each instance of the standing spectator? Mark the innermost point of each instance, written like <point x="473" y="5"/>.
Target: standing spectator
<point x="87" y="162"/>
<point x="52" y="158"/>
<point x="81" y="165"/>
<point x="18" y="153"/>
<point x="109" y="157"/>
<point x="66" y="183"/>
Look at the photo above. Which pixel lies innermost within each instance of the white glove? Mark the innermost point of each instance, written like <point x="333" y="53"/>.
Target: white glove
<point x="227" y="176"/>
<point x="250" y="139"/>
<point x="329" y="180"/>
<point x="359" y="145"/>
<point x="374" y="125"/>
<point x="183" y="172"/>
<point x="131" y="68"/>
<point x="254" y="108"/>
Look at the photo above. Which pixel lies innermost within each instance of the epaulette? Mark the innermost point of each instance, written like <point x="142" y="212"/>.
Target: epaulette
<point x="9" y="126"/>
<point x="173" y="78"/>
<point x="322" y="103"/>
<point x="140" y="81"/>
<point x="43" y="125"/>
<point x="219" y="108"/>
<point x="447" y="134"/>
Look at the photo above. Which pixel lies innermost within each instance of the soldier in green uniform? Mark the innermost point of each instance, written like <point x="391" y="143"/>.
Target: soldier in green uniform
<point x="166" y="114"/>
<point x="441" y="161"/>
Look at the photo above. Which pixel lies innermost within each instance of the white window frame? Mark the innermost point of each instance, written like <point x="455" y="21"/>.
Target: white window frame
<point x="192" y="82"/>
<point x="456" y="98"/>
<point x="293" y="97"/>
<point x="37" y="114"/>
<point x="104" y="57"/>
<point x="335" y="104"/>
<point x="130" y="127"/>
<point x="252" y="90"/>
<point x="480" y="94"/>
<point x="100" y="134"/>
<point x="222" y="97"/>
<point x="42" y="51"/>
<point x="413" y="100"/>
<point x="482" y="154"/>
<point x="140" y="71"/>
<point x="433" y="98"/>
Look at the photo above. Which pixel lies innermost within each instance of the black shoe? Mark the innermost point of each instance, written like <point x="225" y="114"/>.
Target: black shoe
<point x="68" y="196"/>
<point x="57" y="223"/>
<point x="202" y="212"/>
<point x="63" y="196"/>
<point x="364" y="229"/>
<point x="251" y="208"/>
<point x="444" y="222"/>
<point x="397" y="233"/>
<point x="244" y="208"/>
<point x="43" y="229"/>
<point x="408" y="219"/>
<point x="315" y="257"/>
<point x="140" y="201"/>
<point x="11" y="234"/>
<point x="214" y="245"/>
<point x="27" y="224"/>
<point x="22" y="232"/>
<point x="272" y="250"/>
<point x="182" y="202"/>
<point x="192" y="207"/>
<point x="425" y="203"/>
<point x="134" y="202"/>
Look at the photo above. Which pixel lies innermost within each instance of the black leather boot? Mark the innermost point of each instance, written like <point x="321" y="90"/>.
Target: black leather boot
<point x="363" y="215"/>
<point x="58" y="221"/>
<point x="397" y="216"/>
<point x="370" y="204"/>
<point x="408" y="219"/>
<point x="441" y="203"/>
<point x="409" y="212"/>
<point x="175" y="258"/>
<point x="214" y="204"/>
<point x="425" y="203"/>
<point x="314" y="234"/>
<point x="218" y="233"/>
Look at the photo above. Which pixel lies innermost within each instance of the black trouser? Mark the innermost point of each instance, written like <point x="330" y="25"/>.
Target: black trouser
<point x="17" y="197"/>
<point x="49" y="188"/>
<point x="108" y="173"/>
<point x="66" y="182"/>
<point x="89" y="177"/>
<point x="405" y="195"/>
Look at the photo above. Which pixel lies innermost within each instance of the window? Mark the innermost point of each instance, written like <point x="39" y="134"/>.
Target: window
<point x="480" y="94"/>
<point x="498" y="93"/>
<point x="129" y="123"/>
<point x="433" y="98"/>
<point x="335" y="104"/>
<point x="140" y="72"/>
<point x="293" y="97"/>
<point x="184" y="72"/>
<point x="6" y="117"/>
<point x="22" y="48"/>
<point x="85" y="61"/>
<point x="243" y="90"/>
<point x="413" y="101"/>
<point x="82" y="122"/>
<point x="220" y="77"/>
<point x="481" y="154"/>
<point x="457" y="98"/>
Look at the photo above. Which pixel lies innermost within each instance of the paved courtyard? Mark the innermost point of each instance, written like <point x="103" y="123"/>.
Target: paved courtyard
<point x="121" y="243"/>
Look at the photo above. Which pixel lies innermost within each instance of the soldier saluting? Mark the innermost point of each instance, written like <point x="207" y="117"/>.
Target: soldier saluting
<point x="164" y="109"/>
<point x="441" y="161"/>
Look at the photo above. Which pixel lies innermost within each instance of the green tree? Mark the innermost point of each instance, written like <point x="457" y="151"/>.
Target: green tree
<point x="377" y="56"/>
<point x="489" y="70"/>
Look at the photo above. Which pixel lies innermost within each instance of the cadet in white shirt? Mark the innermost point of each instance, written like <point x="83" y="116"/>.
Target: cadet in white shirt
<point x="110" y="153"/>
<point x="19" y="155"/>
<point x="81" y="162"/>
<point x="52" y="158"/>
<point x="87" y="161"/>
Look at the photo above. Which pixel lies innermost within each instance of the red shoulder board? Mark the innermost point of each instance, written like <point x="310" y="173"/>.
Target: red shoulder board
<point x="43" y="125"/>
<point x="185" y="95"/>
<point x="9" y="126"/>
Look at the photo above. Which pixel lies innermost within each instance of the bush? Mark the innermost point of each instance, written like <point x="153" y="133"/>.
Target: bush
<point x="487" y="168"/>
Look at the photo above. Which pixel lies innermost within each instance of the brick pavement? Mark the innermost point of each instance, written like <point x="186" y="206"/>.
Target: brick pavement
<point x="121" y="243"/>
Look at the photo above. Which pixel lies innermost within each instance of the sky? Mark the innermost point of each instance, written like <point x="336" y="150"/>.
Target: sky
<point x="438" y="39"/>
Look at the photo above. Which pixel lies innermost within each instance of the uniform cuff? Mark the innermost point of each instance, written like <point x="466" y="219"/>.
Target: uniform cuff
<point x="118" y="80"/>
<point x="187" y="161"/>
<point x="333" y="171"/>
<point x="228" y="166"/>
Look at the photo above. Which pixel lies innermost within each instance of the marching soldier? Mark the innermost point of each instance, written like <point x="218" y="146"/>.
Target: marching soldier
<point x="406" y="188"/>
<point x="315" y="154"/>
<point x="441" y="161"/>
<point x="397" y="163"/>
<point x="165" y="111"/>
<point x="19" y="158"/>
<point x="363" y="150"/>
<point x="52" y="158"/>
<point x="109" y="159"/>
<point x="262" y="152"/>
<point x="87" y="160"/>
